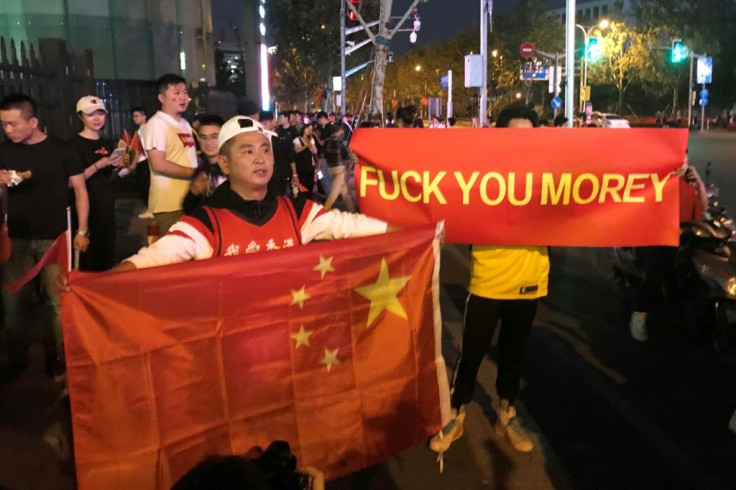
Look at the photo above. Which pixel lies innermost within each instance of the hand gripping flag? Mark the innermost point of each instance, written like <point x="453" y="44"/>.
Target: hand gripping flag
<point x="333" y="347"/>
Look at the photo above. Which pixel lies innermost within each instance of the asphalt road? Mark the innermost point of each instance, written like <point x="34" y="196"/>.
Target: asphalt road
<point x="603" y="410"/>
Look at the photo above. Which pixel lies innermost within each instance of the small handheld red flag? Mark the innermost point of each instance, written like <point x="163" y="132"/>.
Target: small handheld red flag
<point x="58" y="253"/>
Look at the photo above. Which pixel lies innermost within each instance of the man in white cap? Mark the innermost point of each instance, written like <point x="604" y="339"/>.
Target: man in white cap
<point x="38" y="170"/>
<point x="245" y="214"/>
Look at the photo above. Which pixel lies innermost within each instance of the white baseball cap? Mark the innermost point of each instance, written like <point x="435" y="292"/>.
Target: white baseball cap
<point x="89" y="104"/>
<point x="241" y="124"/>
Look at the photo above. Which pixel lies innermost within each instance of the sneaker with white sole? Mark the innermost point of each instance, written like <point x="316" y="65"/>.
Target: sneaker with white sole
<point x="146" y="215"/>
<point x="638" y="326"/>
<point x="508" y="424"/>
<point x="451" y="432"/>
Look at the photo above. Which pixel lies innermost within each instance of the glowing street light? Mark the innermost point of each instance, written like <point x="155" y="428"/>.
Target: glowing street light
<point x="418" y="68"/>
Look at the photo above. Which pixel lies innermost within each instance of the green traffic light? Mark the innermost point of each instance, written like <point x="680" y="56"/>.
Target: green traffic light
<point x="593" y="50"/>
<point x="680" y="52"/>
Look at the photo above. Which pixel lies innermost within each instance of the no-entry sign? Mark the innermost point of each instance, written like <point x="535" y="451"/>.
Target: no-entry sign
<point x="526" y="49"/>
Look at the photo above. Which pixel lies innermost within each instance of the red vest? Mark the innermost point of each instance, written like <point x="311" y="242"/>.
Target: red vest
<point x="235" y="236"/>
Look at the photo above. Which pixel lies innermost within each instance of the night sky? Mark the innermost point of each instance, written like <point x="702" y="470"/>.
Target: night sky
<point x="441" y="19"/>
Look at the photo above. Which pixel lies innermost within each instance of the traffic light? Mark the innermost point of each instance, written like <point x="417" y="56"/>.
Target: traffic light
<point x="593" y="50"/>
<point x="352" y="18"/>
<point x="679" y="51"/>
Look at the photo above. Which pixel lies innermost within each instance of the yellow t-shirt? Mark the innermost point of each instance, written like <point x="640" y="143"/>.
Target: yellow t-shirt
<point x="163" y="132"/>
<point x="509" y="272"/>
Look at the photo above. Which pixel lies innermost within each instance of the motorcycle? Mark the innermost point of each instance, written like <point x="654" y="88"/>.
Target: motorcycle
<point x="705" y="274"/>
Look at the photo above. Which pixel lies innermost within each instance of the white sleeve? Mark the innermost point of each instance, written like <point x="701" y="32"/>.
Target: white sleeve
<point x="335" y="224"/>
<point x="182" y="243"/>
<point x="154" y="135"/>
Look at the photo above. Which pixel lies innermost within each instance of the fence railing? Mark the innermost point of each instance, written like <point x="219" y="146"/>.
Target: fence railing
<point x="56" y="77"/>
<point x="52" y="74"/>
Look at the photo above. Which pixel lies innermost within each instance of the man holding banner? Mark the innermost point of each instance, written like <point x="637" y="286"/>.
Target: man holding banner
<point x="505" y="285"/>
<point x="37" y="169"/>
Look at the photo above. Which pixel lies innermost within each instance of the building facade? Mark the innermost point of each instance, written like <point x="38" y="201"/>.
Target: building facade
<point x="129" y="39"/>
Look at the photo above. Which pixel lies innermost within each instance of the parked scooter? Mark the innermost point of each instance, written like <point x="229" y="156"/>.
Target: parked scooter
<point x="704" y="271"/>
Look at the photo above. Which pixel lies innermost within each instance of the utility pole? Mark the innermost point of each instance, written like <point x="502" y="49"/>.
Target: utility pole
<point x="486" y="13"/>
<point x="570" y="63"/>
<point x="343" y="85"/>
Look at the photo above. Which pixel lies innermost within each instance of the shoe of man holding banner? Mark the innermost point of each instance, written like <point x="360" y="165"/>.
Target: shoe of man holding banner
<point x="37" y="170"/>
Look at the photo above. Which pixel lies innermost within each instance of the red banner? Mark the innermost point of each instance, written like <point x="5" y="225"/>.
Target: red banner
<point x="333" y="347"/>
<point x="553" y="186"/>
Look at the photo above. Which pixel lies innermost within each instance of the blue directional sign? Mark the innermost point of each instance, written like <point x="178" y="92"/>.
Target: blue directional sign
<point x="534" y="71"/>
<point x="556" y="103"/>
<point x="704" y="93"/>
<point x="444" y="82"/>
<point x="705" y="69"/>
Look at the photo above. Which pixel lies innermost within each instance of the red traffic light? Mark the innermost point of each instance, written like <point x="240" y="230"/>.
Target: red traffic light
<point x="351" y="14"/>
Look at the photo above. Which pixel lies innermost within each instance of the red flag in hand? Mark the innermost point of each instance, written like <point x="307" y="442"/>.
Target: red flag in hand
<point x="135" y="143"/>
<point x="58" y="253"/>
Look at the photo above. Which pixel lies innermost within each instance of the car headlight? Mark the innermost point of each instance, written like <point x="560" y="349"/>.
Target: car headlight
<point x="731" y="286"/>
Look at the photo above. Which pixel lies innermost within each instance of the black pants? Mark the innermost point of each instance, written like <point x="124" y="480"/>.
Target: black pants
<point x="143" y="181"/>
<point x="659" y="273"/>
<point x="481" y="317"/>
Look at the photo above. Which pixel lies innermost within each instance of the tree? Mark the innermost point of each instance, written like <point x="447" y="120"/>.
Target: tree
<point x="381" y="42"/>
<point x="621" y="49"/>
<point x="307" y="38"/>
<point x="708" y="24"/>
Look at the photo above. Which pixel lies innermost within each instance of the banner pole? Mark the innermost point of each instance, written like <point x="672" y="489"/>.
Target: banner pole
<point x="69" y="240"/>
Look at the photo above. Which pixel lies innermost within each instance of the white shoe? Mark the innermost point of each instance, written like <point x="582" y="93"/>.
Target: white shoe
<point x="509" y="425"/>
<point x="638" y="326"/>
<point x="452" y="431"/>
<point x="146" y="215"/>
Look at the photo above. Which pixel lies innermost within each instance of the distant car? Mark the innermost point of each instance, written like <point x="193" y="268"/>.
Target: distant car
<point x="608" y="120"/>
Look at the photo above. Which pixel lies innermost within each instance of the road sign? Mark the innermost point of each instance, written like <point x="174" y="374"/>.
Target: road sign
<point x="704" y="93"/>
<point x="534" y="71"/>
<point x="703" y="102"/>
<point x="526" y="49"/>
<point x="555" y="103"/>
<point x="705" y="69"/>
<point x="444" y="81"/>
<point x="585" y="92"/>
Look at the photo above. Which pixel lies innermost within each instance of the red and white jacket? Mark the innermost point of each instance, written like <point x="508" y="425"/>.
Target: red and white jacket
<point x="228" y="225"/>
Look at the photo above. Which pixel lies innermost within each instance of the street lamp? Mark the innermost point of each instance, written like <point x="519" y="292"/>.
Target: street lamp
<point x="601" y="25"/>
<point x="418" y="68"/>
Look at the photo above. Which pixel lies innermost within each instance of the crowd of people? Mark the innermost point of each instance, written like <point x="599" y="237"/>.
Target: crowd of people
<point x="253" y="183"/>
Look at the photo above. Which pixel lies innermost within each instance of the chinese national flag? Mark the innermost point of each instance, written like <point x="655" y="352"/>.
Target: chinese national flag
<point x="58" y="253"/>
<point x="333" y="347"/>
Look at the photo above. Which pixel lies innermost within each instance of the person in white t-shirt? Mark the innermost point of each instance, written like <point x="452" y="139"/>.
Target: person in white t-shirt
<point x="169" y="144"/>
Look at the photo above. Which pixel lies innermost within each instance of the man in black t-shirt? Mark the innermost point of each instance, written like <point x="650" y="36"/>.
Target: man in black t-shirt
<point x="37" y="169"/>
<point x="284" y="156"/>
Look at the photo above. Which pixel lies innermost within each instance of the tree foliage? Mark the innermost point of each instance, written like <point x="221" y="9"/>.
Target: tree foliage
<point x="527" y="22"/>
<point x="307" y="38"/>
<point x="705" y="26"/>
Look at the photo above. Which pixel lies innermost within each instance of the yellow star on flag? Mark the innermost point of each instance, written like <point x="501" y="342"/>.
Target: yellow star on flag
<point x="299" y="296"/>
<point x="324" y="266"/>
<point x="382" y="294"/>
<point x="302" y="337"/>
<point x="330" y="359"/>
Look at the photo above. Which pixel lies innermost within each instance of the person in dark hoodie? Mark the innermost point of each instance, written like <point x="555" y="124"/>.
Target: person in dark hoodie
<point x="245" y="214"/>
